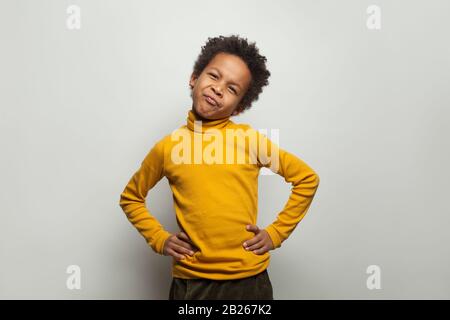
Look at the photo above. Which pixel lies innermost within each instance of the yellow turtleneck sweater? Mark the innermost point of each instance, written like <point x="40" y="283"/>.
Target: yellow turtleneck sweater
<point x="215" y="201"/>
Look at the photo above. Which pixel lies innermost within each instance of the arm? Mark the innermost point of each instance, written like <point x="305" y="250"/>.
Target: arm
<point x="132" y="199"/>
<point x="304" y="183"/>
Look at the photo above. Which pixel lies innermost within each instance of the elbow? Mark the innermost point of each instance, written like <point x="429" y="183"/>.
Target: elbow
<point x="122" y="201"/>
<point x="316" y="179"/>
<point x="124" y="204"/>
<point x="313" y="181"/>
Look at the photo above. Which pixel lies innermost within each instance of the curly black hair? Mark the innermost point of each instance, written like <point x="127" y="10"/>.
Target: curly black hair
<point x="248" y="52"/>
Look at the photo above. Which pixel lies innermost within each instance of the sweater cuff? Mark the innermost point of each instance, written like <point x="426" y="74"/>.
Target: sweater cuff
<point x="273" y="236"/>
<point x="158" y="241"/>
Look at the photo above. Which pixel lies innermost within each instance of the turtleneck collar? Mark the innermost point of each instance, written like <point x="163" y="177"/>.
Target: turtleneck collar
<point x="205" y="125"/>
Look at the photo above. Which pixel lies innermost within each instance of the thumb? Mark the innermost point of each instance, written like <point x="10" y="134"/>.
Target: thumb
<point x="253" y="228"/>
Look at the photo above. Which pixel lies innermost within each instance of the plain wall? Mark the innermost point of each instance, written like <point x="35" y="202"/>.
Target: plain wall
<point x="368" y="110"/>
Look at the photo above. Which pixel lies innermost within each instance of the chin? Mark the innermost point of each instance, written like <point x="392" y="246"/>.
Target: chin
<point x="205" y="113"/>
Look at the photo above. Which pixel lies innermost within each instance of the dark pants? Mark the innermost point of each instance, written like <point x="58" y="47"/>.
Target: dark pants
<point x="257" y="287"/>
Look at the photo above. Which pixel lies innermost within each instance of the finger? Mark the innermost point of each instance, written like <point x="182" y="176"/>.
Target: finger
<point x="257" y="245"/>
<point x="185" y="237"/>
<point x="176" y="255"/>
<point x="183" y="244"/>
<point x="174" y="243"/>
<point x="253" y="228"/>
<point x="260" y="250"/>
<point x="182" y="235"/>
<point x="182" y="250"/>
<point x="252" y="241"/>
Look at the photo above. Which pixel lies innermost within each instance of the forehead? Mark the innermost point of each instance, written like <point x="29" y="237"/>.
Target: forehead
<point x="231" y="67"/>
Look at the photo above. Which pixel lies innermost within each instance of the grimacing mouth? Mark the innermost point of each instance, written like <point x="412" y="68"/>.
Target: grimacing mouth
<point x="217" y="105"/>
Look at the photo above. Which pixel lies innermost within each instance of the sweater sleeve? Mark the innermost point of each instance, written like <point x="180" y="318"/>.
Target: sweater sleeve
<point x="304" y="181"/>
<point x="132" y="199"/>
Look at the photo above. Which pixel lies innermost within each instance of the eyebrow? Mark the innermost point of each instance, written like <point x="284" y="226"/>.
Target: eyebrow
<point x="237" y="84"/>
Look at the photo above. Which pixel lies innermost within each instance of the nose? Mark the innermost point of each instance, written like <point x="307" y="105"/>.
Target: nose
<point x="217" y="90"/>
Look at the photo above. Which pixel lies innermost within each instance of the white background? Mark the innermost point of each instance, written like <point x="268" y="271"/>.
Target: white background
<point x="366" y="109"/>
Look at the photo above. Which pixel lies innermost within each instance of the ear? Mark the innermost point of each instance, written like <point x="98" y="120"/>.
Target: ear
<point x="192" y="81"/>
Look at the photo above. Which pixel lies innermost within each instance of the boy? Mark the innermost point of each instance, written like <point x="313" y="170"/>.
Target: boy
<point x="220" y="252"/>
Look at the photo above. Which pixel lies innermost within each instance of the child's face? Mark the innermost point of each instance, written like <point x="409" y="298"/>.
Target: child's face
<point x="225" y="79"/>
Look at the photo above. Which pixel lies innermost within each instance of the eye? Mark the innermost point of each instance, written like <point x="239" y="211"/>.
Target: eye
<point x="233" y="90"/>
<point x="213" y="75"/>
